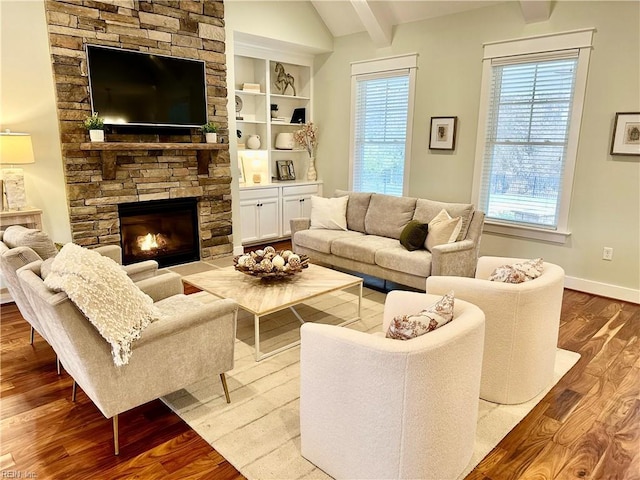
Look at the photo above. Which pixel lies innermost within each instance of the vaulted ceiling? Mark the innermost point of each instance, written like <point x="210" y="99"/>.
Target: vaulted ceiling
<point x="377" y="17"/>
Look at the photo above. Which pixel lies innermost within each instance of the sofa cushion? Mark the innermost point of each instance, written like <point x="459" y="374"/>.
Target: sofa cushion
<point x="361" y="249"/>
<point x="329" y="213"/>
<point x="406" y="327"/>
<point x="398" y="258"/>
<point x="443" y="229"/>
<point x="413" y="235"/>
<point x="426" y="210"/>
<point x="321" y="240"/>
<point x="19" y="236"/>
<point x="356" y="208"/>
<point x="387" y="215"/>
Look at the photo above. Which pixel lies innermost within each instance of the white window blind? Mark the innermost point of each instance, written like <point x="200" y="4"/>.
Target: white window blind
<point x="527" y="134"/>
<point x="381" y="111"/>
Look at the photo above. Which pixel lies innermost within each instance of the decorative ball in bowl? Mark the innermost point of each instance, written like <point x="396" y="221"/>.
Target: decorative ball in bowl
<point x="268" y="263"/>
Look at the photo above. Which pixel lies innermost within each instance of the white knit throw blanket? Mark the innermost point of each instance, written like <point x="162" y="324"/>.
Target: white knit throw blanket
<point x="101" y="289"/>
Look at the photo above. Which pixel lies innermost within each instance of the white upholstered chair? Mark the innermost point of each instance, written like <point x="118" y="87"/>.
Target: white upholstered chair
<point x="373" y="407"/>
<point x="189" y="343"/>
<point x="522" y="323"/>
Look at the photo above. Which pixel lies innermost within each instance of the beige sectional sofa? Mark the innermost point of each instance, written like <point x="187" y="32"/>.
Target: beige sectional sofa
<point x="370" y="244"/>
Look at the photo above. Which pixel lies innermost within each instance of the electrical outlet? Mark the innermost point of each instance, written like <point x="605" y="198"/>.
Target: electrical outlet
<point x="607" y="253"/>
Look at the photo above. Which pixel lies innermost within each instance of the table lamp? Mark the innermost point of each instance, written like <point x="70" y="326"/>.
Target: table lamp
<point x="15" y="149"/>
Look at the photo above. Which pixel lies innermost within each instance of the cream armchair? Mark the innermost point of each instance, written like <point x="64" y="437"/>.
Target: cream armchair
<point x="373" y="407"/>
<point x="522" y="323"/>
<point x="190" y="343"/>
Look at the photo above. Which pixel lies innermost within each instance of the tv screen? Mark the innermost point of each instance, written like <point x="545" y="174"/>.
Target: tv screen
<point x="140" y="88"/>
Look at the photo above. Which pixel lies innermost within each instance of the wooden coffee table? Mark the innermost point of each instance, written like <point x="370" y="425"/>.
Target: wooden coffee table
<point x="261" y="297"/>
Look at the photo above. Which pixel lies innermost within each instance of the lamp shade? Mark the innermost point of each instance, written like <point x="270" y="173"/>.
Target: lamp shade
<point x="16" y="148"/>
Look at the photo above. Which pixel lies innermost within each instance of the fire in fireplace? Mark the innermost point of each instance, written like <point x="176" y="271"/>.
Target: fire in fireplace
<point x="161" y="230"/>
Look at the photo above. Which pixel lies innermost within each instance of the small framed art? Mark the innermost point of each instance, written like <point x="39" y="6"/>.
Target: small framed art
<point x="443" y="133"/>
<point x="285" y="170"/>
<point x="626" y="134"/>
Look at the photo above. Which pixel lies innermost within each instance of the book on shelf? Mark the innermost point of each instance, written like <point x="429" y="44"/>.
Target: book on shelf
<point x="279" y="119"/>
<point x="251" y="87"/>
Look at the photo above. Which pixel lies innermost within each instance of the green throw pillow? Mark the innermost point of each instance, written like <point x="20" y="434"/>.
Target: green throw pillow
<point x="413" y="235"/>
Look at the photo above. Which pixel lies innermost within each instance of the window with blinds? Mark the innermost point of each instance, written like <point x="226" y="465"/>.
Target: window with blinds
<point x="381" y="112"/>
<point x="527" y="134"/>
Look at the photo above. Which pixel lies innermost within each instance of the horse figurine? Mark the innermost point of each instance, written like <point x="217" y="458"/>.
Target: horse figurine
<point x="283" y="80"/>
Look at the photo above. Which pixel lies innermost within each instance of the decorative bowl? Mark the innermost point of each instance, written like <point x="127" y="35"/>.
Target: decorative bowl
<point x="269" y="264"/>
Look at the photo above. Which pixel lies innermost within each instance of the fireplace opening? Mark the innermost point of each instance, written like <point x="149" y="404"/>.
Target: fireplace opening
<point x="161" y="230"/>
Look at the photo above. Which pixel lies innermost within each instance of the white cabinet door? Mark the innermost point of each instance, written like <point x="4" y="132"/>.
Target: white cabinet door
<point x="296" y="203"/>
<point x="249" y="221"/>
<point x="268" y="219"/>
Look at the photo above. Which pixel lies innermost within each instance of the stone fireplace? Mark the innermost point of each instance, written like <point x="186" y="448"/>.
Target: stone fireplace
<point x="157" y="168"/>
<point x="161" y="230"/>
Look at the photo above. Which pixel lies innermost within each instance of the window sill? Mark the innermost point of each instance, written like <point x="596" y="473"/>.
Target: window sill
<point x="532" y="233"/>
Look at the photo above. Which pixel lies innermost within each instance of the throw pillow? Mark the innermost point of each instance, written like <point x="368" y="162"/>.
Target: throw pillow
<point x="413" y="235"/>
<point x="329" y="213"/>
<point x="406" y="327"/>
<point x="518" y="272"/>
<point x="37" y="240"/>
<point x="443" y="229"/>
<point x="101" y="289"/>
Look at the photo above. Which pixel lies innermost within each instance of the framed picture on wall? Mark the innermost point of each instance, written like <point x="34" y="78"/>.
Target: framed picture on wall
<point x="443" y="133"/>
<point x="285" y="170"/>
<point x="626" y="134"/>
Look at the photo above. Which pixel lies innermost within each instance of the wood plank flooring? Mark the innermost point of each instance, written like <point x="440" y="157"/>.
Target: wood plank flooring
<point x="587" y="426"/>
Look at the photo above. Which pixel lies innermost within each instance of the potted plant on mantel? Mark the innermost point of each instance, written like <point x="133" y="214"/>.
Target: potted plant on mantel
<point x="210" y="132"/>
<point x="95" y="125"/>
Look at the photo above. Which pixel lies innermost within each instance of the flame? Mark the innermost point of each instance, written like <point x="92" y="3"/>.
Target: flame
<point x="148" y="242"/>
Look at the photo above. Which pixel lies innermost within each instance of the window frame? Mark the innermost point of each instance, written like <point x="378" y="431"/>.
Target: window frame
<point x="381" y="68"/>
<point x="524" y="50"/>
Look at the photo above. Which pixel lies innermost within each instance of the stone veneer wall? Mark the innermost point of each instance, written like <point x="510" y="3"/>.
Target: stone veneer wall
<point x="186" y="28"/>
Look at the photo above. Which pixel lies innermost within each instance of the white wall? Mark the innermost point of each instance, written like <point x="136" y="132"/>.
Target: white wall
<point x="27" y="104"/>
<point x="606" y="199"/>
<point x="293" y="26"/>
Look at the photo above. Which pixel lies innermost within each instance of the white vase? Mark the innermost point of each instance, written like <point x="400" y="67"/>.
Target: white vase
<point x="253" y="142"/>
<point x="96" y="135"/>
<point x="311" y="171"/>
<point x="211" y="137"/>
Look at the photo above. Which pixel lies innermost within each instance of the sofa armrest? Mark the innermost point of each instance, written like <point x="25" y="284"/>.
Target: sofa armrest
<point x="222" y="312"/>
<point x="141" y="270"/>
<point x="162" y="286"/>
<point x="298" y="224"/>
<point x="457" y="258"/>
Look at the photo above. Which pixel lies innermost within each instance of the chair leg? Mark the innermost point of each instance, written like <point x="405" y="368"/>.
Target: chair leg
<point x="224" y="386"/>
<point x="116" y="441"/>
<point x="31" y="336"/>
<point x="73" y="391"/>
<point x="58" y="367"/>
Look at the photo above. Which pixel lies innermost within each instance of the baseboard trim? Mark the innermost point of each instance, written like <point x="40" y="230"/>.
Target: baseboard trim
<point x="238" y="250"/>
<point x="603" y="289"/>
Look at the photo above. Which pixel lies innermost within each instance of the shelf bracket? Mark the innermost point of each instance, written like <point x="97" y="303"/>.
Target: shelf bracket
<point x="204" y="156"/>
<point x="109" y="162"/>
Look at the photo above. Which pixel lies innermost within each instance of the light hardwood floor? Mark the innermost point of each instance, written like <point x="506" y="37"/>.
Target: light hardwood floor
<point x="587" y="426"/>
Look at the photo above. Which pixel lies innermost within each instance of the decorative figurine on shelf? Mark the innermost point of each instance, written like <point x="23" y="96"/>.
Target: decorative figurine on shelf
<point x="307" y="137"/>
<point x="283" y="80"/>
<point x="95" y="125"/>
<point x="210" y="130"/>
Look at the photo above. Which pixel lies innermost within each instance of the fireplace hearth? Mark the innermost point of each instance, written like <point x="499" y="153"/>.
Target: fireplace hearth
<point x="161" y="230"/>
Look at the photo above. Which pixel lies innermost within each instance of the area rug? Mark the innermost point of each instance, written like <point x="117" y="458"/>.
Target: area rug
<point x="259" y="432"/>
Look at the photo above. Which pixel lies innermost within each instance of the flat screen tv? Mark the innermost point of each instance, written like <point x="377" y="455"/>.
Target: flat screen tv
<point x="141" y="88"/>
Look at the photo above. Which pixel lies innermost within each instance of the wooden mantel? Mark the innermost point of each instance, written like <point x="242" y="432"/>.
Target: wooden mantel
<point x="109" y="149"/>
